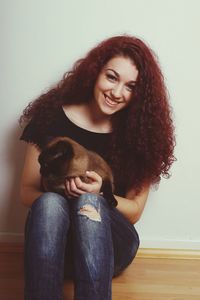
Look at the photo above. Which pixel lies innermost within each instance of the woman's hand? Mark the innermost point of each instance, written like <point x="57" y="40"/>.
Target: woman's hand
<point x="75" y="187"/>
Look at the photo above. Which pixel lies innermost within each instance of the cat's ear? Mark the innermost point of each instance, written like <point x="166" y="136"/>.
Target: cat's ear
<point x="62" y="149"/>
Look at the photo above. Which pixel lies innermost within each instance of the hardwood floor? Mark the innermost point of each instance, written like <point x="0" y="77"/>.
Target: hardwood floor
<point x="145" y="279"/>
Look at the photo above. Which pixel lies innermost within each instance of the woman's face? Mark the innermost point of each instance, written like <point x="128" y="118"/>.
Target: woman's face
<point x="114" y="87"/>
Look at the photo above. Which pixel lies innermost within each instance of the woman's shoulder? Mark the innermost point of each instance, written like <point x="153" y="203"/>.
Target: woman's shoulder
<point x="39" y="126"/>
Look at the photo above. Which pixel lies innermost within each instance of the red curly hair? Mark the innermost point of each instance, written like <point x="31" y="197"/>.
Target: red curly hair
<point x="143" y="139"/>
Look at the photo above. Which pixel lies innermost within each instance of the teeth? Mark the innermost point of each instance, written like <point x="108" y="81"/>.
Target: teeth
<point x="109" y="101"/>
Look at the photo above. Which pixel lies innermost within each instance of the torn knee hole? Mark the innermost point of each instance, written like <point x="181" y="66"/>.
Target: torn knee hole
<point x="91" y="212"/>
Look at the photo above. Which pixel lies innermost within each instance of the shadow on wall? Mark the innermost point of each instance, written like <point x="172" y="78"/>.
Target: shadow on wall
<point x="15" y="213"/>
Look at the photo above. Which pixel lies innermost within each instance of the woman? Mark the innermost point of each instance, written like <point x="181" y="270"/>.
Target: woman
<point x="113" y="102"/>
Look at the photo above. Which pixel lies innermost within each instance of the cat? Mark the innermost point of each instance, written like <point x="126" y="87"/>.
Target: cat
<point x="63" y="158"/>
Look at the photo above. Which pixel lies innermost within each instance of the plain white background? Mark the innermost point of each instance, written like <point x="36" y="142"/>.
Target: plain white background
<point x="41" y="39"/>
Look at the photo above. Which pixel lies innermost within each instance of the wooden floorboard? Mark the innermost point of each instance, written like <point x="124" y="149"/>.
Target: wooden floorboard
<point x="145" y="279"/>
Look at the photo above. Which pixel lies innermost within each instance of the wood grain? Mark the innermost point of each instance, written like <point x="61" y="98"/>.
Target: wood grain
<point x="145" y="279"/>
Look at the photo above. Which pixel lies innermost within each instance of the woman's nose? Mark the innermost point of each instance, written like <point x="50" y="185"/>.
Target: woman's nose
<point x="117" y="91"/>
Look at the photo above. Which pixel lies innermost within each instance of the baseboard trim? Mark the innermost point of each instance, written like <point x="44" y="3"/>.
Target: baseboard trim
<point x="142" y="252"/>
<point x="11" y="248"/>
<point x="168" y="253"/>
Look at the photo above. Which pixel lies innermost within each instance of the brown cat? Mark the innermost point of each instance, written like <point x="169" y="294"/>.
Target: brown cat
<point x="64" y="158"/>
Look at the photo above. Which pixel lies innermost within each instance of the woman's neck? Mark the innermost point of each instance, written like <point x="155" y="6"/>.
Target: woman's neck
<point x="86" y="116"/>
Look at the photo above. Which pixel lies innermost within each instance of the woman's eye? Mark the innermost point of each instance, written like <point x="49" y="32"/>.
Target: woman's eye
<point x="130" y="87"/>
<point x="111" y="77"/>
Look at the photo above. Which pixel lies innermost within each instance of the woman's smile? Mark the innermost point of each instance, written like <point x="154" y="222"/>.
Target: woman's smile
<point x="115" y="84"/>
<point x="110" y="102"/>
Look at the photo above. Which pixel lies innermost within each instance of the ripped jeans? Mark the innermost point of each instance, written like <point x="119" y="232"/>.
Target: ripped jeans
<point x="83" y="238"/>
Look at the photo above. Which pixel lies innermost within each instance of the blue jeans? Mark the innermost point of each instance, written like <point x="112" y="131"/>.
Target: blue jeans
<point x="83" y="238"/>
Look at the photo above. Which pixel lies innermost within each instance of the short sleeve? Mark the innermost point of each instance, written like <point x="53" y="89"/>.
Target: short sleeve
<point x="31" y="134"/>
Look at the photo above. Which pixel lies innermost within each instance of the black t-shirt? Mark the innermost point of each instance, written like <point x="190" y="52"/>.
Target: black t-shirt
<point x="63" y="126"/>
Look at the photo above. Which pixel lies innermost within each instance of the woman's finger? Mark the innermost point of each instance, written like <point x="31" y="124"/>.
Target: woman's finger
<point x="68" y="190"/>
<point x="96" y="182"/>
<point x="74" y="189"/>
<point x="94" y="176"/>
<point x="85" y="187"/>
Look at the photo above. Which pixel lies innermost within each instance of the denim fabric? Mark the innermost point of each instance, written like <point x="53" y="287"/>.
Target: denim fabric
<point x="90" y="245"/>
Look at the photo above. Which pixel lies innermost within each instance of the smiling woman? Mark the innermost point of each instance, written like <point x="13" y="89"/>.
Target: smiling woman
<point x="115" y="84"/>
<point x="112" y="102"/>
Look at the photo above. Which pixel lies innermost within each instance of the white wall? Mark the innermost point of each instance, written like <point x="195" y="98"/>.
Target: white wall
<point x="40" y="39"/>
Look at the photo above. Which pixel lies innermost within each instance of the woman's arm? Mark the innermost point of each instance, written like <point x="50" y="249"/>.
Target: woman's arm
<point x="30" y="181"/>
<point x="133" y="205"/>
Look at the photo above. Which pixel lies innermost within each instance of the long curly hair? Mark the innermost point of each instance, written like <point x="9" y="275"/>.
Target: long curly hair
<point x="142" y="144"/>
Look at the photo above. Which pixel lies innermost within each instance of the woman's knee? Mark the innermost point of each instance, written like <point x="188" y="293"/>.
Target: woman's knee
<point x="93" y="206"/>
<point x="50" y="212"/>
<point x="51" y="204"/>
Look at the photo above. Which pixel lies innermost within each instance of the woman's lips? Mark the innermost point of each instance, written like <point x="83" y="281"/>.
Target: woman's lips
<point x="109" y="101"/>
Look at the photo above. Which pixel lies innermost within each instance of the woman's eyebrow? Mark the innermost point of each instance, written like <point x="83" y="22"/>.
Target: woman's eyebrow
<point x="117" y="74"/>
